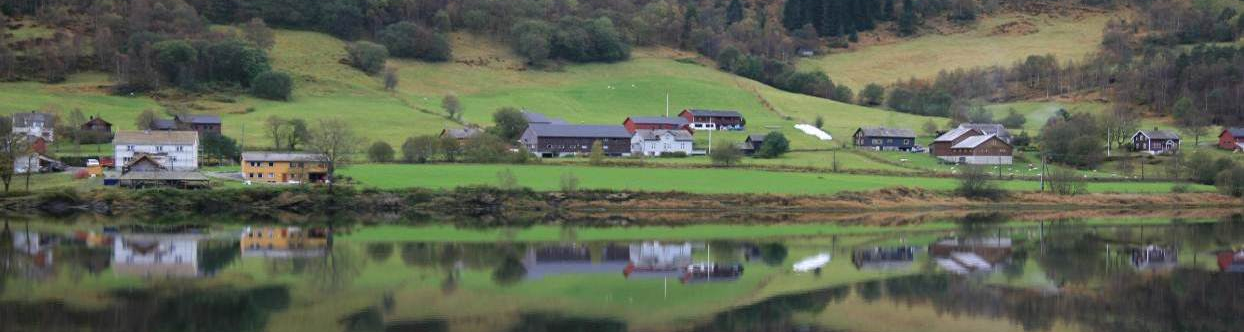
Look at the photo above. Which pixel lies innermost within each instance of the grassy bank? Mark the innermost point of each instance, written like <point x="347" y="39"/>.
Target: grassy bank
<point x="702" y="181"/>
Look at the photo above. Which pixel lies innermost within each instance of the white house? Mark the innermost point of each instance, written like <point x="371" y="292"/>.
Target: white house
<point x="35" y="124"/>
<point x="172" y="150"/>
<point x="660" y="141"/>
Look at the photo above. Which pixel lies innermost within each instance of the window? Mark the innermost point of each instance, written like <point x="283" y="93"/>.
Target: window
<point x="180" y="148"/>
<point x="159" y="148"/>
<point x="129" y="148"/>
<point x="876" y="141"/>
<point x="270" y="175"/>
<point x="270" y="164"/>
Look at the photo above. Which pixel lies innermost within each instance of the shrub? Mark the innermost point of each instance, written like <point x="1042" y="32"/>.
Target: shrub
<point x="726" y="154"/>
<point x="272" y="85"/>
<point x="409" y="40"/>
<point x="775" y="145"/>
<point x="598" y="153"/>
<point x="1180" y="188"/>
<point x="380" y="152"/>
<point x="1065" y="181"/>
<point x="569" y="182"/>
<point x="1231" y="181"/>
<point x="974" y="182"/>
<point x="420" y="149"/>
<point x="367" y="56"/>
<point x="506" y="180"/>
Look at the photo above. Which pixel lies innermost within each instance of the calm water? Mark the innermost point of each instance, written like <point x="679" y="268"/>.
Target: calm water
<point x="1181" y="275"/>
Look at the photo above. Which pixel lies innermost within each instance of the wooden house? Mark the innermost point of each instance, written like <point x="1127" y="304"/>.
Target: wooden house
<point x="713" y="119"/>
<point x="980" y="150"/>
<point x="200" y="123"/>
<point x="1155" y="141"/>
<point x="990" y="129"/>
<point x="552" y="140"/>
<point x="635" y="123"/>
<point x="1232" y="139"/>
<point x="461" y="134"/>
<point x="284" y="167"/>
<point x="752" y="143"/>
<point x="885" y="139"/>
<point x="942" y="144"/>
<point x="96" y="130"/>
<point x="662" y="141"/>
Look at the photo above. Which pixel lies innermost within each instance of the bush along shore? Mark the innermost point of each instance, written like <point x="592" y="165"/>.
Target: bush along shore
<point x="489" y="203"/>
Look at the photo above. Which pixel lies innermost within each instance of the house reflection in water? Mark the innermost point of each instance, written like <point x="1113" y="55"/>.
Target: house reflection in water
<point x="555" y="260"/>
<point x="1231" y="261"/>
<point x="38" y="257"/>
<point x="963" y="256"/>
<point x="156" y="255"/>
<point x="657" y="260"/>
<point x="1153" y="257"/>
<point x="282" y="242"/>
<point x="712" y="272"/>
<point x="884" y="258"/>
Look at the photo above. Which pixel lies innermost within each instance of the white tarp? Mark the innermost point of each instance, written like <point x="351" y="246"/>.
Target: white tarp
<point x="814" y="131"/>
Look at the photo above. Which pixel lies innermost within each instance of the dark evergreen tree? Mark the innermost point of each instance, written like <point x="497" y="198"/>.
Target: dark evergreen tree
<point x="887" y="11"/>
<point x="734" y="12"/>
<point x="792" y="17"/>
<point x="907" y="21"/>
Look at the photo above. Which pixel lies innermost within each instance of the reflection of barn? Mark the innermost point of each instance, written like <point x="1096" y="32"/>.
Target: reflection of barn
<point x="284" y="242"/>
<point x="961" y="256"/>
<point x="654" y="259"/>
<point x="573" y="259"/>
<point x="712" y="272"/>
<point x="150" y="255"/>
<point x="1153" y="257"/>
<point x="884" y="258"/>
<point x="1231" y="261"/>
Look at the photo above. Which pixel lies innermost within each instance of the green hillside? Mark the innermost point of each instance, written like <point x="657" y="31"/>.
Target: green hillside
<point x="486" y="76"/>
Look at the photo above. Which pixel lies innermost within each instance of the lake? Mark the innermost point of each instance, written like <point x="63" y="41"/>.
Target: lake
<point x="976" y="273"/>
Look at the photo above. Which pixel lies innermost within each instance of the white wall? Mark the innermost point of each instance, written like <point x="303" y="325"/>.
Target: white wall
<point x="187" y="159"/>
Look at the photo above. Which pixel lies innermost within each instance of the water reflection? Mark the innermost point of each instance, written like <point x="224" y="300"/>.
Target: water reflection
<point x="1063" y="276"/>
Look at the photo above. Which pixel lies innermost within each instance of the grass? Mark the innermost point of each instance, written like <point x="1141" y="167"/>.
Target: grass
<point x="923" y="57"/>
<point x="708" y="181"/>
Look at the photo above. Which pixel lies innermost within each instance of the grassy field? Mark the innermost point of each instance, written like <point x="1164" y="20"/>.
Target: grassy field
<point x="924" y="56"/>
<point x="548" y="178"/>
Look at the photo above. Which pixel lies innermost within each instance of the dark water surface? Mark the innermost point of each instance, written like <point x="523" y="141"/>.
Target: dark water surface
<point x="1115" y="274"/>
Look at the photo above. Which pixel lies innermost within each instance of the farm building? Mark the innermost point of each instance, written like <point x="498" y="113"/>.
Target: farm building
<point x="551" y="140"/>
<point x="461" y="134"/>
<point x="656" y="123"/>
<point x="661" y="141"/>
<point x="1232" y="139"/>
<point x="283" y="167"/>
<point x="752" y="143"/>
<point x="537" y="118"/>
<point x="941" y="145"/>
<point x="96" y="130"/>
<point x="163" y="125"/>
<point x="174" y="150"/>
<point x="713" y="119"/>
<point x="971" y="146"/>
<point x="990" y="129"/>
<point x="885" y="139"/>
<point x="199" y="123"/>
<point x="36" y="162"/>
<point x="35" y="124"/>
<point x="146" y="170"/>
<point x="1155" y="141"/>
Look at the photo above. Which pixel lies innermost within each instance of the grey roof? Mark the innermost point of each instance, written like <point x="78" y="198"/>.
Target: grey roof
<point x="462" y="133"/>
<point x="655" y="135"/>
<point x="714" y="113"/>
<point x="163" y="124"/>
<point x="659" y="120"/>
<point x="164" y="175"/>
<point x="757" y="137"/>
<point x="200" y="119"/>
<point x="156" y="137"/>
<point x="887" y="132"/>
<point x="1159" y="134"/>
<point x="952" y="135"/>
<point x="25" y="119"/>
<point x="279" y="156"/>
<point x="1236" y="131"/>
<point x="564" y="130"/>
<point x="537" y="118"/>
<point x="990" y="128"/>
<point x="974" y="141"/>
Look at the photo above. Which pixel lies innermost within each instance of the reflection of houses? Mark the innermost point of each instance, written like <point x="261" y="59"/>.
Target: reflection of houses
<point x="1153" y="257"/>
<point x="710" y="272"/>
<point x="654" y="259"/>
<point x="884" y="258"/>
<point x="573" y="259"/>
<point x="962" y="256"/>
<point x="284" y="242"/>
<point x="1231" y="261"/>
<point x="37" y="246"/>
<point x="148" y="255"/>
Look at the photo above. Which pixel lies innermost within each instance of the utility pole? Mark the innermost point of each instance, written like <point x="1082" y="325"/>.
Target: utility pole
<point x="1042" y="172"/>
<point x="667" y="104"/>
<point x="710" y="141"/>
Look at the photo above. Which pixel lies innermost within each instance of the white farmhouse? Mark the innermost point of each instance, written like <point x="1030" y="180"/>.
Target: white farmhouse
<point x="660" y="141"/>
<point x="172" y="150"/>
<point x="35" y="125"/>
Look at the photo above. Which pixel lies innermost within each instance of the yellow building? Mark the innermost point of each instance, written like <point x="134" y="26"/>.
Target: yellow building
<point x="283" y="167"/>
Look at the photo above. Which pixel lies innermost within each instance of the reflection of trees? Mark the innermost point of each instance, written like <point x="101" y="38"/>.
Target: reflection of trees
<point x="773" y="254"/>
<point x="509" y="272"/>
<point x="869" y="290"/>
<point x="216" y="255"/>
<point x="221" y="309"/>
<point x="1069" y="255"/>
<point x="775" y="313"/>
<point x="8" y="256"/>
<point x="335" y="270"/>
<point x="539" y="322"/>
<point x="379" y="252"/>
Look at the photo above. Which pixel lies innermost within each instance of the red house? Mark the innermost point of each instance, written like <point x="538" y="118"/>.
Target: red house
<point x="713" y="120"/>
<point x="1232" y="139"/>
<point x="656" y="123"/>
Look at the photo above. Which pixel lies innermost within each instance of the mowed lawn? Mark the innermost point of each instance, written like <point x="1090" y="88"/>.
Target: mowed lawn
<point x="923" y="57"/>
<point x="712" y="181"/>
